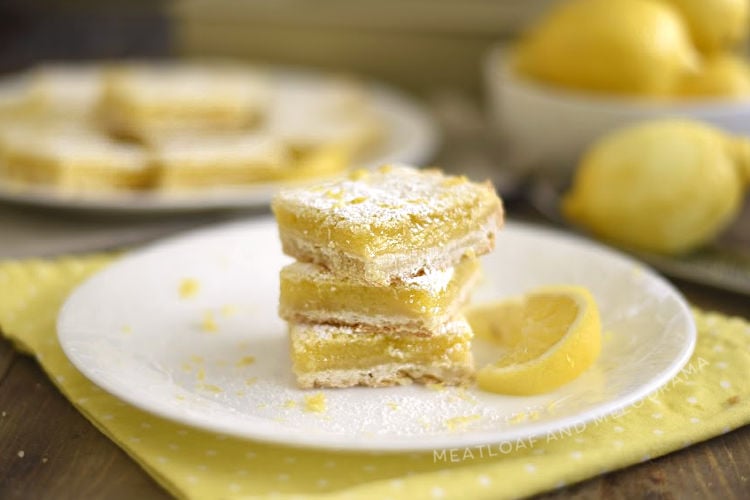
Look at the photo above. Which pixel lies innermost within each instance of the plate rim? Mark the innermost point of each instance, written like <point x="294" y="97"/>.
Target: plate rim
<point x="332" y="442"/>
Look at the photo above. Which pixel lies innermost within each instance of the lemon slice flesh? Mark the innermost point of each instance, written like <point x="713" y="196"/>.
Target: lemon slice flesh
<point x="553" y="334"/>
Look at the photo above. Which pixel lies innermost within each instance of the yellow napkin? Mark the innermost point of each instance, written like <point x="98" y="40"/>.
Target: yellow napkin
<point x="708" y="398"/>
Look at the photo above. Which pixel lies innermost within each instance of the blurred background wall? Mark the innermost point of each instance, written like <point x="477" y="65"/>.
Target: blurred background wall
<point x="414" y="43"/>
<point x="38" y="30"/>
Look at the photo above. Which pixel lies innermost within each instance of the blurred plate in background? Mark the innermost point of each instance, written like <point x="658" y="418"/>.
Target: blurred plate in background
<point x="411" y="137"/>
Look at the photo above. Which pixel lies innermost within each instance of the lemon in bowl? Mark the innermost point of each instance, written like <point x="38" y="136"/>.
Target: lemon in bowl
<point x="725" y="76"/>
<point x="636" y="47"/>
<point x="715" y="25"/>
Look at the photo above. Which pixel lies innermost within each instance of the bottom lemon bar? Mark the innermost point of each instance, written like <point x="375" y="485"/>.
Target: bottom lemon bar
<point x="312" y="294"/>
<point x="345" y="356"/>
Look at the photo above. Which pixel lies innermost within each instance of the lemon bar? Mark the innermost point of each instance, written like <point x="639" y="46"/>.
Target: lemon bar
<point x="143" y="101"/>
<point x="319" y="162"/>
<point x="359" y="135"/>
<point x="345" y="356"/>
<point x="321" y="96"/>
<point x="73" y="159"/>
<point x="332" y="112"/>
<point x="201" y="160"/>
<point x="388" y="224"/>
<point x="69" y="91"/>
<point x="312" y="294"/>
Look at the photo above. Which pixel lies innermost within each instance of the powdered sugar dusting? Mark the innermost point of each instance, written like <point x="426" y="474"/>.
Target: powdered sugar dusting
<point x="432" y="280"/>
<point x="390" y="197"/>
<point x="191" y="149"/>
<point x="75" y="145"/>
<point x="228" y="85"/>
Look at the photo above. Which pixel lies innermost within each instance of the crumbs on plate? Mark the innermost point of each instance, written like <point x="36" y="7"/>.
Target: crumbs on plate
<point x="208" y="324"/>
<point x="457" y="423"/>
<point x="315" y="403"/>
<point x="189" y="288"/>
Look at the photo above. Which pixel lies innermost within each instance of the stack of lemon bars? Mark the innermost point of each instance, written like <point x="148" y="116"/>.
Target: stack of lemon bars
<point x="385" y="261"/>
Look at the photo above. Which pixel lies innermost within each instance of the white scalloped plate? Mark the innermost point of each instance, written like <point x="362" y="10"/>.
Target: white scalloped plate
<point x="128" y="330"/>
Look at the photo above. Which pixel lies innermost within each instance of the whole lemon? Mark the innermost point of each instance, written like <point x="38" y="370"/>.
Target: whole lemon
<point x="715" y="24"/>
<point x="721" y="75"/>
<point x="667" y="186"/>
<point x="614" y="46"/>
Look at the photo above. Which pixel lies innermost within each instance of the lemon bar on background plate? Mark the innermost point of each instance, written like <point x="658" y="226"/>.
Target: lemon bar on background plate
<point x="73" y="159"/>
<point x="419" y="304"/>
<point x="328" y="96"/>
<point x="319" y="162"/>
<point x="143" y="101"/>
<point x="333" y="113"/>
<point x="345" y="356"/>
<point x="69" y="91"/>
<point x="206" y="160"/>
<point x="388" y="224"/>
<point x="308" y="126"/>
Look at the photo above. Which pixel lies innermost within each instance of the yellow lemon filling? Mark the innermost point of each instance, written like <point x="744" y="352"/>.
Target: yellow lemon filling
<point x="386" y="211"/>
<point x="311" y="293"/>
<point x="317" y="348"/>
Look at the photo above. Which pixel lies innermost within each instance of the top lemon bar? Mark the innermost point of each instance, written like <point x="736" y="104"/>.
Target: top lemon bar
<point x="388" y="224"/>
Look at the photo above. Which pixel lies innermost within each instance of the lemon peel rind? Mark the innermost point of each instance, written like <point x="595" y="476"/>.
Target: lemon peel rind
<point x="552" y="369"/>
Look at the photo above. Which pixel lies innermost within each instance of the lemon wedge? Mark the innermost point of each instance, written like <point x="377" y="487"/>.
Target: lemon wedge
<point x="485" y="323"/>
<point x="553" y="334"/>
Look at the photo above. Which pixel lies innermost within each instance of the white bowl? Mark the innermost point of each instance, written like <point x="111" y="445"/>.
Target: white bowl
<point x="548" y="128"/>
